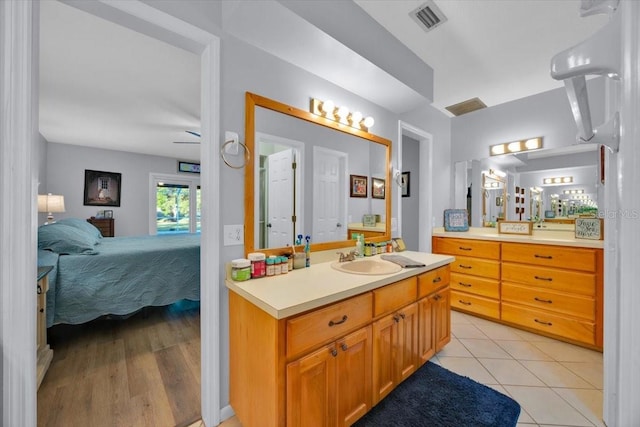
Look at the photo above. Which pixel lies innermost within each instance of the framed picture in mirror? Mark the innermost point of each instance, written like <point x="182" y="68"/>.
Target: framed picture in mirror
<point x="377" y="188"/>
<point x="358" y="186"/>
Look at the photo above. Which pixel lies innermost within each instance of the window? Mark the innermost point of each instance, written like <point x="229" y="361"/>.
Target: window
<point x="175" y="204"/>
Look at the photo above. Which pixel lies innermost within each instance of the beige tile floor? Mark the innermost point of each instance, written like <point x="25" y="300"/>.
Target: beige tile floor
<point x="557" y="384"/>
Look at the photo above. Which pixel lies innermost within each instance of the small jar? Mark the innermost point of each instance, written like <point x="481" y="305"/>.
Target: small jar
<point x="374" y="249"/>
<point x="389" y="247"/>
<point x="240" y="270"/>
<point x="271" y="269"/>
<point x="276" y="264"/>
<point x="284" y="265"/>
<point x="367" y="249"/>
<point x="258" y="264"/>
<point x="290" y="262"/>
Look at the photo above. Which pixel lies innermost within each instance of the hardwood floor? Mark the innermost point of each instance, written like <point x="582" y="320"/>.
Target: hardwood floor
<point x="139" y="371"/>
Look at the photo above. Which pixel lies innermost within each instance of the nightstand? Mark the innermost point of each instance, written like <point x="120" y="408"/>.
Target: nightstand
<point x="45" y="354"/>
<point x="105" y="225"/>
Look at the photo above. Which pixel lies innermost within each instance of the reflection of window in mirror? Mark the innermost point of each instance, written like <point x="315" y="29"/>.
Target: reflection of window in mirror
<point x="493" y="200"/>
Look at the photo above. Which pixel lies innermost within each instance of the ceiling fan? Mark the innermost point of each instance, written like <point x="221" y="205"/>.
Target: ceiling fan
<point x="189" y="142"/>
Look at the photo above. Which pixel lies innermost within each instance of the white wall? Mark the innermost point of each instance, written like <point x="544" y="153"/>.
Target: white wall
<point x="65" y="175"/>
<point x="410" y="205"/>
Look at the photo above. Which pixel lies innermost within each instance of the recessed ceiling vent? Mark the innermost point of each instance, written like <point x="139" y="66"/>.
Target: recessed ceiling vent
<point x="465" y="107"/>
<point x="428" y="16"/>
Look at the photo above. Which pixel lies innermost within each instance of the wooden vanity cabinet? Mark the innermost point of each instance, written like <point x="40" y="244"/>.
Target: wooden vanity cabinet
<point x="330" y="365"/>
<point x="475" y="274"/>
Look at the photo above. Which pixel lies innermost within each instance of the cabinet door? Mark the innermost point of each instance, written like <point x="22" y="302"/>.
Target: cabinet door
<point x="385" y="362"/>
<point x="408" y="341"/>
<point x="442" y="318"/>
<point x="311" y="389"/>
<point x="353" y="376"/>
<point x="426" y="329"/>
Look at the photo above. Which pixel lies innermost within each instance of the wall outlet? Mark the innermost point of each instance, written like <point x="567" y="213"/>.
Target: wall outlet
<point x="233" y="235"/>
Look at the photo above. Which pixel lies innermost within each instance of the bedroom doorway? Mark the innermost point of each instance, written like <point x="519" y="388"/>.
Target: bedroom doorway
<point x="207" y="47"/>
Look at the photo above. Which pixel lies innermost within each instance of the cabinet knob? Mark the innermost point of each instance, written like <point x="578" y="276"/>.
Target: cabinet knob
<point x="39" y="289"/>
<point x="42" y="310"/>
<point x="344" y="346"/>
<point x="396" y="318"/>
<point x="334" y="352"/>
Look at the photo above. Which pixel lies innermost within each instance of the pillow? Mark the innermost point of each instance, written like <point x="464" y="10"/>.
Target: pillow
<point x="64" y="239"/>
<point x="81" y="224"/>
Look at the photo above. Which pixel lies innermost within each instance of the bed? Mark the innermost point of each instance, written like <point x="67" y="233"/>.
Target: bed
<point x="95" y="276"/>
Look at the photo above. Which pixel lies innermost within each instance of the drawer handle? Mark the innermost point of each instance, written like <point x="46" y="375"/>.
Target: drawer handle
<point x="543" y="256"/>
<point x="39" y="289"/>
<point x="339" y="322"/>
<point x="437" y="297"/>
<point x="467" y="267"/>
<point x="437" y="279"/>
<point x="543" y="323"/>
<point x="466" y="285"/>
<point x="548" y="301"/>
<point x="334" y="352"/>
<point x="548" y="279"/>
<point x="462" y="248"/>
<point x="344" y="346"/>
<point x="464" y="302"/>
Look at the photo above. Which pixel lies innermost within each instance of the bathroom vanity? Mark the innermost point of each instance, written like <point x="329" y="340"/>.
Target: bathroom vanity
<point x="323" y="344"/>
<point x="549" y="283"/>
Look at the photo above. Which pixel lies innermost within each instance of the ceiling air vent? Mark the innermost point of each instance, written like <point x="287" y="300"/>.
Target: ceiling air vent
<point x="465" y="107"/>
<point x="428" y="16"/>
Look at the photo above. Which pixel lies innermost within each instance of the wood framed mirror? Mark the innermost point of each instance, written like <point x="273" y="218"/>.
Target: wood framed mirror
<point x="313" y="196"/>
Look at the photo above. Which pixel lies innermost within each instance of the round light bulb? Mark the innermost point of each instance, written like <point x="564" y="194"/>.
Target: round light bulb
<point x="497" y="149"/>
<point x="368" y="122"/>
<point x="327" y="107"/>
<point x="342" y="112"/>
<point x="514" y="147"/>
<point x="356" y="116"/>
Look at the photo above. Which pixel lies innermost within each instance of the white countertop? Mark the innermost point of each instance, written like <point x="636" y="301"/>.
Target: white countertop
<point x="305" y="289"/>
<point x="539" y="237"/>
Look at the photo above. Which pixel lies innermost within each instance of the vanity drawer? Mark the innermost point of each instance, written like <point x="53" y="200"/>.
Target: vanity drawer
<point x="319" y="326"/>
<point x="563" y="326"/>
<point x="475" y="304"/>
<point x="432" y="281"/>
<point x="477" y="267"/>
<point x="558" y="302"/>
<point x="550" y="278"/>
<point x="467" y="247"/>
<point x="550" y="256"/>
<point x="475" y="285"/>
<point x="395" y="296"/>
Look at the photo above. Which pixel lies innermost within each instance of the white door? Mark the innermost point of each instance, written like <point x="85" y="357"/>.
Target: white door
<point x="329" y="212"/>
<point x="280" y="203"/>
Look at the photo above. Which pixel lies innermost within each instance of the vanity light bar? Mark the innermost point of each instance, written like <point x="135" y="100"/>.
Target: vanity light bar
<point x="573" y="191"/>
<point x="516" y="146"/>
<point x="558" y="180"/>
<point x="341" y="114"/>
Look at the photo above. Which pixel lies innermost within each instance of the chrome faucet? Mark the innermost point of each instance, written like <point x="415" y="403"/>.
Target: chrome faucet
<point x="347" y="257"/>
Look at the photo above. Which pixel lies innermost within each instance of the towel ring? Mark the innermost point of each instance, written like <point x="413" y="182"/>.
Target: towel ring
<point x="247" y="155"/>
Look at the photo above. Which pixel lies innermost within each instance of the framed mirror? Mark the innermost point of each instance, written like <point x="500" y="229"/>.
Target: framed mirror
<point x="298" y="180"/>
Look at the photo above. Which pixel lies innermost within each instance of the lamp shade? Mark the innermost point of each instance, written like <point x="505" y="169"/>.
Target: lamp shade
<point x="50" y="203"/>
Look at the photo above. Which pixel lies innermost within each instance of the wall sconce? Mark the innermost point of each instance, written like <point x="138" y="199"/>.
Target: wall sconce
<point x="516" y="146"/>
<point x="50" y="203"/>
<point x="558" y="180"/>
<point x="497" y="173"/>
<point x="341" y="114"/>
<point x="573" y="191"/>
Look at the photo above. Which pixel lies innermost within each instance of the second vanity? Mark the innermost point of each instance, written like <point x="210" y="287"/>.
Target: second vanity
<point x="324" y="345"/>
<point x="549" y="283"/>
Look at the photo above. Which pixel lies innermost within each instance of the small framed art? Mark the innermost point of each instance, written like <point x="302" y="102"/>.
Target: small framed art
<point x="589" y="228"/>
<point x="358" y="186"/>
<point x="377" y="188"/>
<point x="456" y="220"/>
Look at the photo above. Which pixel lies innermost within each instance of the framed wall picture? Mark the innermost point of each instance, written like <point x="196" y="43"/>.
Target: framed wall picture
<point x="377" y="188"/>
<point x="358" y="186"/>
<point x="404" y="184"/>
<point x="102" y="188"/>
<point x="188" y="167"/>
<point x="108" y="214"/>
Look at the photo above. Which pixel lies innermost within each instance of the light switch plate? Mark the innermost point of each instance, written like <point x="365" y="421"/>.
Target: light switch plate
<point x="233" y="235"/>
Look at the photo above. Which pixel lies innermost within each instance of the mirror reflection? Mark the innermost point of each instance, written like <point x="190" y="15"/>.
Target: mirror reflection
<point x="300" y="178"/>
<point x="549" y="187"/>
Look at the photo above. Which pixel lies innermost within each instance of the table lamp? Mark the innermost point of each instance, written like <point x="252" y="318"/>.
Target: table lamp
<point x="50" y="203"/>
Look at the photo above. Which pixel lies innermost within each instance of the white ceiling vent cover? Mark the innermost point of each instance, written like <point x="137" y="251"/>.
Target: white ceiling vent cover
<point x="428" y="16"/>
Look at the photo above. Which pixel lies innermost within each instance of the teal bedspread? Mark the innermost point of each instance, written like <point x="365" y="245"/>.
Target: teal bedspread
<point x="127" y="274"/>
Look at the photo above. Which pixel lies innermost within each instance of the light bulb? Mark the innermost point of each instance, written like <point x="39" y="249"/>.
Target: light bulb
<point x="355" y="118"/>
<point x="368" y="122"/>
<point x="497" y="149"/>
<point x="342" y="112"/>
<point x="514" y="147"/>
<point x="327" y="107"/>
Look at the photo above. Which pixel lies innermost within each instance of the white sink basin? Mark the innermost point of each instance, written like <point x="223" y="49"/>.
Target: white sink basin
<point x="367" y="266"/>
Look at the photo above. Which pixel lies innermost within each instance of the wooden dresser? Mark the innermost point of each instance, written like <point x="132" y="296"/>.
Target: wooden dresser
<point x="105" y="225"/>
<point x="554" y="288"/>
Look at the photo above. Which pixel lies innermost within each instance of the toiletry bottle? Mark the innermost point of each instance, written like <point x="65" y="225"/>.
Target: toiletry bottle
<point x="360" y="246"/>
<point x="307" y="251"/>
